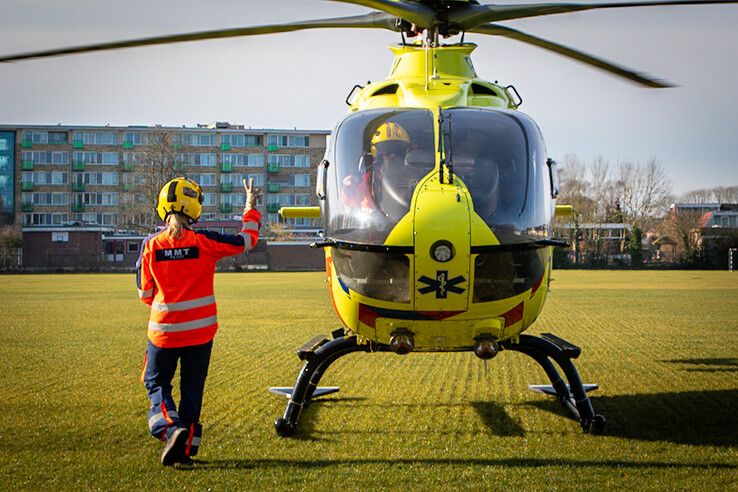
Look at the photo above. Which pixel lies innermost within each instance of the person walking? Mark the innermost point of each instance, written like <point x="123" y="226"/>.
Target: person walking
<point x="174" y="276"/>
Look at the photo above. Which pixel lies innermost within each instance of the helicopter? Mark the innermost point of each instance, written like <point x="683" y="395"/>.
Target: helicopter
<point x="436" y="196"/>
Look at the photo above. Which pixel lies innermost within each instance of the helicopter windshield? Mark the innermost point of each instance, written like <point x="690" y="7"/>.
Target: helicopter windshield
<point x="501" y="158"/>
<point x="380" y="157"/>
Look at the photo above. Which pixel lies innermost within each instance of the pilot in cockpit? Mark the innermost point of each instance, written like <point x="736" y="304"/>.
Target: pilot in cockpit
<point x="389" y="145"/>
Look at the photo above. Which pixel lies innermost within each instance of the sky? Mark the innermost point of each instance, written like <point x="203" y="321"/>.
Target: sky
<point x="301" y="79"/>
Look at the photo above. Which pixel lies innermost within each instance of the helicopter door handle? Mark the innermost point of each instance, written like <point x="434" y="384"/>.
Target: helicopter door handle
<point x="322" y="178"/>
<point x="351" y="93"/>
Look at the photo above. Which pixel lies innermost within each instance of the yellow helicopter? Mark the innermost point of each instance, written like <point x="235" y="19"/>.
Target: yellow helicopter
<point x="437" y="198"/>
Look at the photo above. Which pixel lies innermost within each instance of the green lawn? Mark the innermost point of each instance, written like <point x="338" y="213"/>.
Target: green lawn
<point x="662" y="345"/>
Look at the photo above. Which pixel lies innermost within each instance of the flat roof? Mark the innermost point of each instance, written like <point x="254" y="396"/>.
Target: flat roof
<point x="193" y="129"/>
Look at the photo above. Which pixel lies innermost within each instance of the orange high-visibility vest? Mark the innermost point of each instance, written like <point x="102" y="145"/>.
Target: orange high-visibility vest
<point x="175" y="277"/>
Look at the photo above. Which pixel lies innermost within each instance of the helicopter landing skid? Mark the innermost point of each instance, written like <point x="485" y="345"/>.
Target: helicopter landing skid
<point x="320" y="352"/>
<point x="573" y="396"/>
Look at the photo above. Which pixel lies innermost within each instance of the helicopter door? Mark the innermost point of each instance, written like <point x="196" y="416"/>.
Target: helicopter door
<point x="442" y="245"/>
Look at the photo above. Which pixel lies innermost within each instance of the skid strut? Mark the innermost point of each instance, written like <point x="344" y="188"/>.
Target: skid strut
<point x="572" y="396"/>
<point x="320" y="352"/>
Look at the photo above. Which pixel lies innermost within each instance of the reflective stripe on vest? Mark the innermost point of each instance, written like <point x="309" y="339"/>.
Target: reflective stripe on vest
<point x="184" y="305"/>
<point x="145" y="293"/>
<point x="187" y="325"/>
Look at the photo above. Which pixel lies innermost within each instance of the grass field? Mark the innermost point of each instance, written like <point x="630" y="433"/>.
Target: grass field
<point x="662" y="345"/>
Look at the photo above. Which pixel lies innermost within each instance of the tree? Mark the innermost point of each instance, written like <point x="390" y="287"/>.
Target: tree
<point x="636" y="247"/>
<point x="644" y="191"/>
<point x="154" y="164"/>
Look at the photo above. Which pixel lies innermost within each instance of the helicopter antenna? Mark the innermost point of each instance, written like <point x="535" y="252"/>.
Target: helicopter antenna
<point x="450" y="156"/>
<point x="441" y="145"/>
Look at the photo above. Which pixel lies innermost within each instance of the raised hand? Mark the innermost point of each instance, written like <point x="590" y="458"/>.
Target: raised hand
<point x="252" y="193"/>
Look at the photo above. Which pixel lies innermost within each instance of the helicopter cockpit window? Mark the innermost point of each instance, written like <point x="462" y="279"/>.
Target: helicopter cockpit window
<point x="500" y="157"/>
<point x="380" y="157"/>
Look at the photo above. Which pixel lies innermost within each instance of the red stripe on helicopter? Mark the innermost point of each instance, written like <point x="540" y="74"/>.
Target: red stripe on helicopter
<point x="536" y="285"/>
<point x="514" y="315"/>
<point x="368" y="315"/>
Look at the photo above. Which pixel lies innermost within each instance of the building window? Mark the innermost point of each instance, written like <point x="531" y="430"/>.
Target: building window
<point x="109" y="158"/>
<point x="60" y="157"/>
<point x="58" y="137"/>
<point x="202" y="139"/>
<point x="204" y="180"/>
<point x="106" y="138"/>
<point x="132" y="247"/>
<point x="45" y="219"/>
<point x="87" y="138"/>
<point x="235" y="140"/>
<point x="208" y="199"/>
<point x="258" y="179"/>
<point x="48" y="178"/>
<point x="38" y="137"/>
<point x="133" y="138"/>
<point x="288" y="200"/>
<point x="106" y="179"/>
<point x="283" y="160"/>
<point x="301" y="180"/>
<point x="288" y="140"/>
<point x="45" y="198"/>
<point x="102" y="199"/>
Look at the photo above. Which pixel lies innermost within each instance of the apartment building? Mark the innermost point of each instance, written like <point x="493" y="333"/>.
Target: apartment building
<point x="87" y="175"/>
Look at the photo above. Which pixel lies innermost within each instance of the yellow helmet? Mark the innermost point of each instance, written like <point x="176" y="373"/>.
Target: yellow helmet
<point x="390" y="138"/>
<point x="180" y="195"/>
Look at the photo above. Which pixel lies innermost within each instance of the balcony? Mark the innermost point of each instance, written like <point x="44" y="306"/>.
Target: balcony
<point x="128" y="145"/>
<point x="273" y="168"/>
<point x="226" y="207"/>
<point x="78" y="166"/>
<point x="225" y="146"/>
<point x="78" y="207"/>
<point x="78" y="144"/>
<point x="272" y="148"/>
<point x="274" y="187"/>
<point x="273" y="207"/>
<point x="26" y="144"/>
<point x="226" y="167"/>
<point x="78" y="187"/>
<point x="128" y="166"/>
<point x="27" y="186"/>
<point x="226" y="187"/>
<point x="27" y="207"/>
<point x="127" y="186"/>
<point x="27" y="166"/>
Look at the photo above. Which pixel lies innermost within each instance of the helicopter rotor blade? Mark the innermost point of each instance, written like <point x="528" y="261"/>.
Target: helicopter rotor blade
<point x="413" y="12"/>
<point x="464" y="17"/>
<point x="377" y="20"/>
<point x="497" y="30"/>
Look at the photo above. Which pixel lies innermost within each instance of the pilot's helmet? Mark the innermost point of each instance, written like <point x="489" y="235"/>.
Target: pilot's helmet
<point x="180" y="195"/>
<point x="390" y="139"/>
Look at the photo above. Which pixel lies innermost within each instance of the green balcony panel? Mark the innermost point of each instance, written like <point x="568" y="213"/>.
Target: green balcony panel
<point x="272" y="148"/>
<point x="226" y="207"/>
<point x="273" y="187"/>
<point x="26" y="186"/>
<point x="226" y="187"/>
<point x="78" y="144"/>
<point x="273" y="207"/>
<point x="26" y="144"/>
<point x="226" y="167"/>
<point x="273" y="168"/>
<point x="27" y="165"/>
<point x="225" y="146"/>
<point x="27" y="207"/>
<point x="128" y="145"/>
<point x="78" y="187"/>
<point x="78" y="207"/>
<point x="128" y="166"/>
<point x="78" y="166"/>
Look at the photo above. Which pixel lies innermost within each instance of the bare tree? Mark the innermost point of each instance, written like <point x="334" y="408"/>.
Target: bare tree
<point x="154" y="164"/>
<point x="644" y="190"/>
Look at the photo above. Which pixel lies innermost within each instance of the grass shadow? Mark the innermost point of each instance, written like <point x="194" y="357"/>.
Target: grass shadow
<point x="250" y="464"/>
<point x="715" y="364"/>
<point x="688" y="417"/>
<point x="497" y="420"/>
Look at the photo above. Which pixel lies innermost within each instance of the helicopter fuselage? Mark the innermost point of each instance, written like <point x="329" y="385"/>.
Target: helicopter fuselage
<point x="434" y="260"/>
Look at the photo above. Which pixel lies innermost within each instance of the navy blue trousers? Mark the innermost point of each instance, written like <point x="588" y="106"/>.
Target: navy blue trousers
<point x="164" y="415"/>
